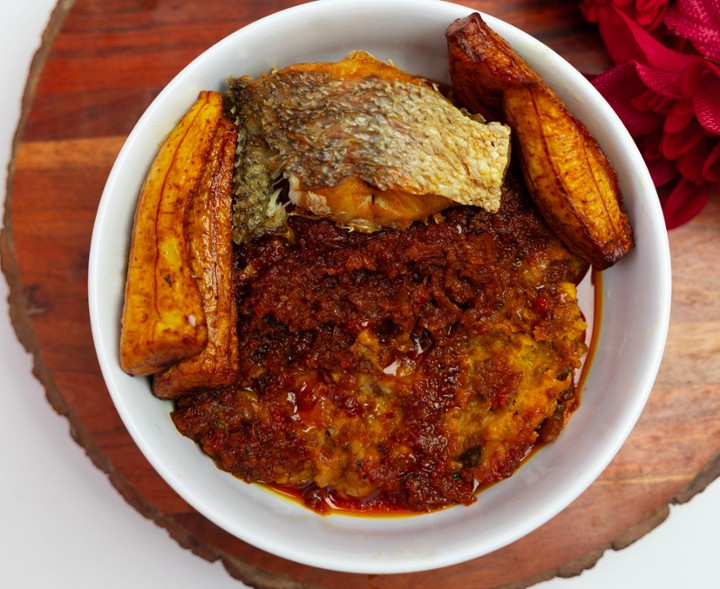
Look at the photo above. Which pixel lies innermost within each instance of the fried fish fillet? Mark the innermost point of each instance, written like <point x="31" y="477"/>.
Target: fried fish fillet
<point x="570" y="179"/>
<point x="360" y="142"/>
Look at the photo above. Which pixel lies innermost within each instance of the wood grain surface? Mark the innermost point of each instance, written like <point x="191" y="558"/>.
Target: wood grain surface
<point x="102" y="63"/>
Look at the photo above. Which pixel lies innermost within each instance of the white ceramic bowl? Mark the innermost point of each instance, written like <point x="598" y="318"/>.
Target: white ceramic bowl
<point x="636" y="304"/>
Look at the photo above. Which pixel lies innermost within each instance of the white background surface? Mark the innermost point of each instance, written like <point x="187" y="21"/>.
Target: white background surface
<point x="62" y="524"/>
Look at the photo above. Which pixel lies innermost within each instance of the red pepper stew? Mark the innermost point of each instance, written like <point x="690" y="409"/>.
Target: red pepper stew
<point x="397" y="370"/>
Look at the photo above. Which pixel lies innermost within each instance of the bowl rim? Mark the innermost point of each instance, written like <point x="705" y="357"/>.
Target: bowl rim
<point x="562" y="500"/>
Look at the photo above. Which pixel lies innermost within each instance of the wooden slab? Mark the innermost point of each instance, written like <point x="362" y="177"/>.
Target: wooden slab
<point x="102" y="63"/>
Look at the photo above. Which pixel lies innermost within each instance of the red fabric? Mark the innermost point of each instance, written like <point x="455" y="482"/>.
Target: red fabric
<point x="649" y="14"/>
<point x="668" y="99"/>
<point x="699" y="22"/>
<point x="625" y="39"/>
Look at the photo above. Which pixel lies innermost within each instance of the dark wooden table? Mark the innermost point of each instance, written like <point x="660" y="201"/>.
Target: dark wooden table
<point x="101" y="64"/>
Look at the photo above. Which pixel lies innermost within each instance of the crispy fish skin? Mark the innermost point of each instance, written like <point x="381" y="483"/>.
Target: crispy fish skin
<point x="209" y="231"/>
<point x="361" y="125"/>
<point x="570" y="179"/>
<point x="256" y="210"/>
<point x="163" y="320"/>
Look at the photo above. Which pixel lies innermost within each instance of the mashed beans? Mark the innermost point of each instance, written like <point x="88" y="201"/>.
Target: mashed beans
<point x="397" y="369"/>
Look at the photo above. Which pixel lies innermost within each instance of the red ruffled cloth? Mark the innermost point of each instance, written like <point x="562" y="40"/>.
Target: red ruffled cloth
<point x="699" y="22"/>
<point x="649" y="14"/>
<point x="669" y="99"/>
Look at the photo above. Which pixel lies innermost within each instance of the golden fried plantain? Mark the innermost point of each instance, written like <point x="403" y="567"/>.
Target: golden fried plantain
<point x="569" y="177"/>
<point x="163" y="319"/>
<point x="209" y="232"/>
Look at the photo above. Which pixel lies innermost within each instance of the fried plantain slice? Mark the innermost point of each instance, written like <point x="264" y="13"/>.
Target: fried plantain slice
<point x="163" y="320"/>
<point x="209" y="232"/>
<point x="570" y="179"/>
